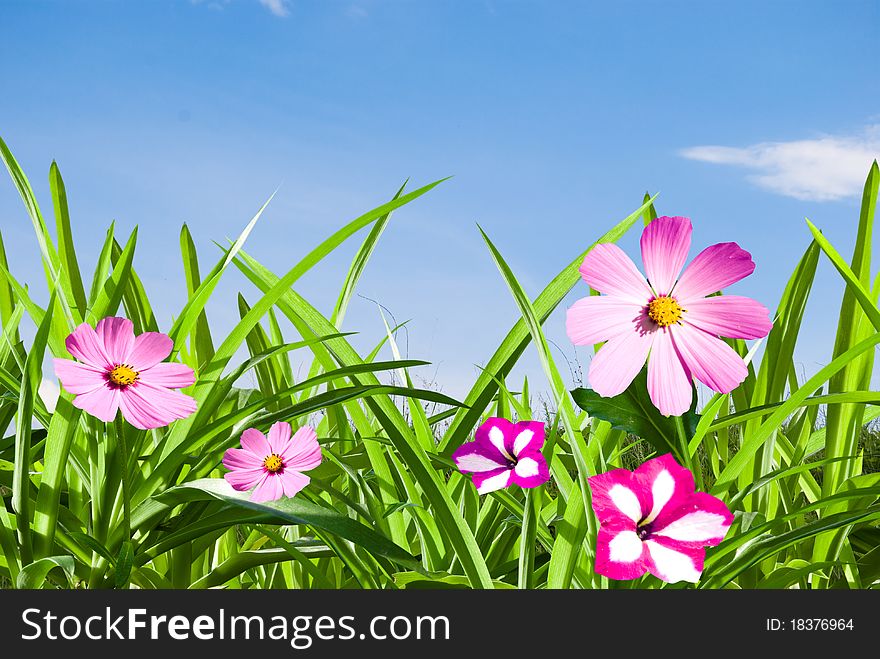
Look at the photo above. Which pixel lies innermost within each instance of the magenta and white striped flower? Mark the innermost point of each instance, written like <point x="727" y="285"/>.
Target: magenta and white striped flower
<point x="666" y="320"/>
<point x="652" y="520"/>
<point x="120" y="371"/>
<point x="503" y="454"/>
<point x="272" y="465"/>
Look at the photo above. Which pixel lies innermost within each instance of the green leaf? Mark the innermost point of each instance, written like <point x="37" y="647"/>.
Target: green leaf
<point x="633" y="412"/>
<point x="34" y="575"/>
<point x="124" y="563"/>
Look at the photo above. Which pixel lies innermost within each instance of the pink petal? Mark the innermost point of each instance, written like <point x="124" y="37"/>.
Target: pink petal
<point x="608" y="269"/>
<point x="733" y="316"/>
<point x="528" y="437"/>
<point x="702" y="520"/>
<point x="102" y="403"/>
<point x="489" y="481"/>
<point x="244" y="479"/>
<point x="709" y="359"/>
<point x="169" y="374"/>
<point x="83" y="343"/>
<point x="270" y="489"/>
<point x="117" y="335"/>
<point x="618" y="498"/>
<point x="254" y="441"/>
<point x="292" y="482"/>
<point x="619" y="361"/>
<point x="474" y="457"/>
<point x="531" y="470"/>
<point x="620" y="554"/>
<point x="496" y="435"/>
<point x="146" y="407"/>
<point x="236" y="458"/>
<point x="77" y="378"/>
<point x="665" y="243"/>
<point x="669" y="383"/>
<point x="600" y="317"/>
<point x="279" y="436"/>
<point x="712" y="269"/>
<point x="666" y="486"/>
<point x="673" y="563"/>
<point x="149" y="349"/>
<point x="302" y="452"/>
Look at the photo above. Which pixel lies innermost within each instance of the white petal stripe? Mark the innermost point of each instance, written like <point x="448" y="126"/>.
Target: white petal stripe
<point x="625" y="547"/>
<point x="494" y="483"/>
<point x="626" y="501"/>
<point x="521" y="440"/>
<point x="661" y="491"/>
<point x="672" y="565"/>
<point x="476" y="462"/>
<point x="695" y="527"/>
<point x="496" y="436"/>
<point x="526" y="467"/>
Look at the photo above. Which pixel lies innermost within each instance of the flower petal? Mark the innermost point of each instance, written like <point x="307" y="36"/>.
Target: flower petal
<point x="620" y="554"/>
<point x="145" y="406"/>
<point x="669" y="382"/>
<point x="709" y="359"/>
<point x="149" y="349"/>
<point x="665" y="243"/>
<point x="244" y="479"/>
<point x="703" y="520"/>
<point x="117" y="335"/>
<point x="292" y="482"/>
<point x="609" y="270"/>
<point x="474" y="457"/>
<point x="666" y="484"/>
<point x="712" y="269"/>
<point x="270" y="489"/>
<point x="531" y="470"/>
<point x="101" y="403"/>
<point x="496" y="434"/>
<point x="302" y="452"/>
<point x="673" y="565"/>
<point x="236" y="458"/>
<point x="169" y="374"/>
<point x="733" y="316"/>
<point x="618" y="498"/>
<point x="279" y="436"/>
<point x="254" y="441"/>
<point x="489" y="481"/>
<point x="619" y="361"/>
<point x="528" y="437"/>
<point x="78" y="378"/>
<point x="83" y="343"/>
<point x="600" y="317"/>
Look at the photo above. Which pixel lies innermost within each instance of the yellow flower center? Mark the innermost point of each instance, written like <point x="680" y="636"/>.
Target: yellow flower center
<point x="664" y="310"/>
<point x="123" y="375"/>
<point x="273" y="463"/>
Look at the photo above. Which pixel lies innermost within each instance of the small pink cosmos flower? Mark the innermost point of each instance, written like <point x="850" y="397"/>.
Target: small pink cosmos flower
<point x="652" y="520"/>
<point x="120" y="371"/>
<point x="272" y="465"/>
<point x="504" y="453"/>
<point x="666" y="320"/>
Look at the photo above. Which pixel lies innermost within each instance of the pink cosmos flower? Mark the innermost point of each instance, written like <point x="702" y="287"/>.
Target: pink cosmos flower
<point x="652" y="520"/>
<point x="504" y="453"/>
<point x="120" y="371"/>
<point x="273" y="464"/>
<point x="666" y="319"/>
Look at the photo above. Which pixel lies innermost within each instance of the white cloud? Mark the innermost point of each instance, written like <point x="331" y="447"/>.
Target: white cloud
<point x="280" y="8"/>
<point x="823" y="169"/>
<point x="356" y="12"/>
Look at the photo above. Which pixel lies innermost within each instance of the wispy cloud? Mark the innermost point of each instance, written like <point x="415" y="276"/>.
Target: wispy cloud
<point x="827" y="168"/>
<point x="356" y="12"/>
<point x="280" y="8"/>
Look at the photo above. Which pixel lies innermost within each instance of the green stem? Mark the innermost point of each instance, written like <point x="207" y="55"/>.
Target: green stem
<point x="527" y="539"/>
<point x="123" y="460"/>
<point x="690" y="463"/>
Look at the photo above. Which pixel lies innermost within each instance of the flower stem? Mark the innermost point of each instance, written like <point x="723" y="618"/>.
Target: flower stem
<point x="123" y="451"/>
<point x="691" y="463"/>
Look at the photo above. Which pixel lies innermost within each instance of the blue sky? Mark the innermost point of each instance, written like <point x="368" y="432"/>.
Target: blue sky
<point x="553" y="117"/>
